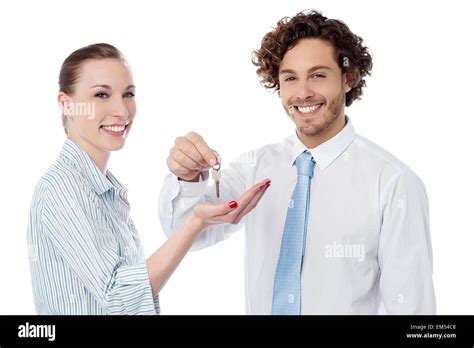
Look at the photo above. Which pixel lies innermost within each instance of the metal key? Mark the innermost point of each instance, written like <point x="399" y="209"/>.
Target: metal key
<point x="216" y="176"/>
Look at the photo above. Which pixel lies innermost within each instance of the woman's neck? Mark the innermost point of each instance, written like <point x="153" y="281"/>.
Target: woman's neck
<point x="98" y="156"/>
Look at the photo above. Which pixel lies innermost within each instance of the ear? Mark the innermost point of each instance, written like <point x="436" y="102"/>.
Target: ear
<point x="351" y="78"/>
<point x="63" y="103"/>
<point x="347" y="82"/>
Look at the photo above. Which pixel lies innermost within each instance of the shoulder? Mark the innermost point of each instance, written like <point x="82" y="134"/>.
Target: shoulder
<point x="60" y="184"/>
<point x="370" y="151"/>
<point x="379" y="158"/>
<point x="392" y="173"/>
<point x="63" y="203"/>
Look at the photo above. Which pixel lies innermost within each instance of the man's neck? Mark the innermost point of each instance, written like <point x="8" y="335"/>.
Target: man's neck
<point x="313" y="141"/>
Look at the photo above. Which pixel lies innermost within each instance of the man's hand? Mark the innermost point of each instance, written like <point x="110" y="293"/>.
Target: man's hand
<point x="190" y="156"/>
<point x="207" y="214"/>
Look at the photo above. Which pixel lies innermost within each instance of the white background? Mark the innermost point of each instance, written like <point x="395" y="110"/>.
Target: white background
<point x="191" y="64"/>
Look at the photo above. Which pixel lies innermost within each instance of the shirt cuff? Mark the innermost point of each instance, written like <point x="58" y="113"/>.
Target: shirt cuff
<point x="131" y="293"/>
<point x="193" y="189"/>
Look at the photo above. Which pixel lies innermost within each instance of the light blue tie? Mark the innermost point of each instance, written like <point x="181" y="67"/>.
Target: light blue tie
<point x="287" y="284"/>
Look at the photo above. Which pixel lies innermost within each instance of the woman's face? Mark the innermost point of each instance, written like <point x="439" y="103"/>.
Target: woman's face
<point x="101" y="110"/>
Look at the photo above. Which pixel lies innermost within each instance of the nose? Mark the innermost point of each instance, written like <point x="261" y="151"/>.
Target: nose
<point x="304" y="91"/>
<point x="119" y="108"/>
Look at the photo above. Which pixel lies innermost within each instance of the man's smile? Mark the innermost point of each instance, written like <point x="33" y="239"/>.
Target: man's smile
<point x="305" y="111"/>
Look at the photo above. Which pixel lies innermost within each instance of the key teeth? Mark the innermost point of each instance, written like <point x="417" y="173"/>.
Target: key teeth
<point x="216" y="176"/>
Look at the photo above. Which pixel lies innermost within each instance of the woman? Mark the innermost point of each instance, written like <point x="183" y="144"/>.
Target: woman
<point x="87" y="254"/>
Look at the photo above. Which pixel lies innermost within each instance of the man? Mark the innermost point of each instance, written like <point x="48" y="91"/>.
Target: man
<point x="345" y="227"/>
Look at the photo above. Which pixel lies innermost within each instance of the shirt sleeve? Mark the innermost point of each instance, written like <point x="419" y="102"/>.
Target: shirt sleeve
<point x="405" y="253"/>
<point x="89" y="250"/>
<point x="178" y="198"/>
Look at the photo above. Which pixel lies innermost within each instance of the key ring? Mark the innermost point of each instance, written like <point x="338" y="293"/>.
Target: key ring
<point x="218" y="167"/>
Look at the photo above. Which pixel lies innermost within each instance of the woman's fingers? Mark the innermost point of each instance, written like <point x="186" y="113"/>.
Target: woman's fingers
<point x="209" y="212"/>
<point x="255" y="190"/>
<point x="222" y="214"/>
<point x="231" y="212"/>
<point x="253" y="202"/>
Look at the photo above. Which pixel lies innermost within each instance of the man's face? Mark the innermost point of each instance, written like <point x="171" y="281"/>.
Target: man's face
<point x="312" y="87"/>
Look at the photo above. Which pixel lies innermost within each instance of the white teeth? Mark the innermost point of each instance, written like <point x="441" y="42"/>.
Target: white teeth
<point x="116" y="129"/>
<point x="307" y="109"/>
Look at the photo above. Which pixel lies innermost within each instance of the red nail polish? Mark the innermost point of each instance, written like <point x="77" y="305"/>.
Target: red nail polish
<point x="233" y="204"/>
<point x="267" y="183"/>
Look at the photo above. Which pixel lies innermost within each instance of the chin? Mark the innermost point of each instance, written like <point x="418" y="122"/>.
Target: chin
<point x="115" y="146"/>
<point x="311" y="129"/>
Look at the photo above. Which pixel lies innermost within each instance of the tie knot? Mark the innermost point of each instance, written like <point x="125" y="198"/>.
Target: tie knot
<point x="305" y="164"/>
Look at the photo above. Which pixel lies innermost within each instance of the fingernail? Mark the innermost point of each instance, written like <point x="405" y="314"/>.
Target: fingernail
<point x="233" y="204"/>
<point x="261" y="187"/>
<point x="267" y="183"/>
<point x="212" y="161"/>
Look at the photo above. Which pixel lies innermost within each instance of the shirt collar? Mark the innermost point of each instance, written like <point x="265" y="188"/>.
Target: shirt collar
<point x="325" y="153"/>
<point x="80" y="159"/>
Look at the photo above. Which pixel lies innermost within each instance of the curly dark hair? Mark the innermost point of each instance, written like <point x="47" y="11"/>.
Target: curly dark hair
<point x="312" y="24"/>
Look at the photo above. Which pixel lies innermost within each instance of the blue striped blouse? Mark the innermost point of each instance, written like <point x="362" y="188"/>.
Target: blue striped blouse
<point x="85" y="252"/>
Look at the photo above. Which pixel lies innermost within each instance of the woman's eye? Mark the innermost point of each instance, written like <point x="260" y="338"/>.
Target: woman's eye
<point x="290" y="78"/>
<point x="318" y="76"/>
<point x="101" y="95"/>
<point x="129" y="95"/>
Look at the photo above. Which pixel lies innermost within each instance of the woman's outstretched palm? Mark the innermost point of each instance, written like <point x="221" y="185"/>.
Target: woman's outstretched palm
<point x="231" y="212"/>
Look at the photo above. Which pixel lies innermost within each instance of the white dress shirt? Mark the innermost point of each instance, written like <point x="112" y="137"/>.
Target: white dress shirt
<point x="368" y="247"/>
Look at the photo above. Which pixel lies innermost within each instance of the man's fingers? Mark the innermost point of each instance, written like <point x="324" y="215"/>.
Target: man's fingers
<point x="190" y="155"/>
<point x="180" y="171"/>
<point x="175" y="167"/>
<point x="185" y="161"/>
<point x="186" y="146"/>
<point x="206" y="152"/>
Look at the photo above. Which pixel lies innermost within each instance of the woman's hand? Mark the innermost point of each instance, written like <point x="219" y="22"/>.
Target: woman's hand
<point x="207" y="214"/>
<point x="164" y="261"/>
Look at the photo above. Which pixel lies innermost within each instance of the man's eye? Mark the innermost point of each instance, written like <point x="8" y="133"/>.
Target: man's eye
<point x="101" y="95"/>
<point x="318" y="76"/>
<point x="129" y="95"/>
<point x="290" y="78"/>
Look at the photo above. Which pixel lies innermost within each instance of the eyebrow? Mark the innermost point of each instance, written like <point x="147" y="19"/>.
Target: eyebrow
<point x="109" y="87"/>
<point x="310" y="70"/>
